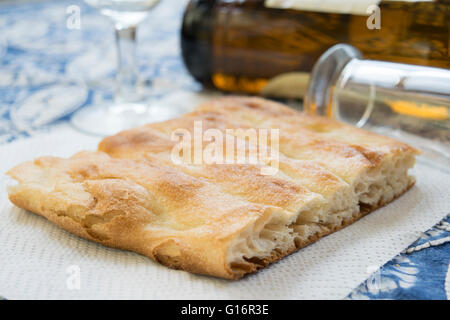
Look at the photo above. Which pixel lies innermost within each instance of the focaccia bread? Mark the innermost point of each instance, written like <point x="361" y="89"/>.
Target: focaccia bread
<point x="224" y="220"/>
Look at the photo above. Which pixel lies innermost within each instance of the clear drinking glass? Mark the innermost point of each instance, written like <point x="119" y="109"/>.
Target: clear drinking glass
<point x="409" y="102"/>
<point x="129" y="108"/>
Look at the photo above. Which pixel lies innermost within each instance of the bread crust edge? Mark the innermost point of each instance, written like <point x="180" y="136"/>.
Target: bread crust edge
<point x="317" y="236"/>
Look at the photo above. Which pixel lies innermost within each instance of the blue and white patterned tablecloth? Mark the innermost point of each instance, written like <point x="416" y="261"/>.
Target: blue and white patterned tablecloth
<point x="40" y="56"/>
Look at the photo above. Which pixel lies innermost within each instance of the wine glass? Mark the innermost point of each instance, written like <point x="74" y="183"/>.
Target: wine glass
<point x="129" y="108"/>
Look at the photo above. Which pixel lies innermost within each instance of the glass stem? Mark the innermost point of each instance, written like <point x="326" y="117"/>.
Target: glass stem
<point x="128" y="70"/>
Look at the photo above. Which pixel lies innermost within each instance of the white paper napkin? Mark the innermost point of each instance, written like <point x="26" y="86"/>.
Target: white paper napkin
<point x="40" y="260"/>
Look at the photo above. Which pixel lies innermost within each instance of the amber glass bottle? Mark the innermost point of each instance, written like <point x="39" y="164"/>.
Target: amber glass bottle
<point x="268" y="47"/>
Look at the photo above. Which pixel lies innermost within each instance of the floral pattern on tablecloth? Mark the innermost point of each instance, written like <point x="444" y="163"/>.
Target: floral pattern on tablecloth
<point x="422" y="271"/>
<point x="46" y="68"/>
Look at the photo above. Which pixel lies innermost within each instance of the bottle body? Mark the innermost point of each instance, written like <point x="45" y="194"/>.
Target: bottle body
<point x="251" y="46"/>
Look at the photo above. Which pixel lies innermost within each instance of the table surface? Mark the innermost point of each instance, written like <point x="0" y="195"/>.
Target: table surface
<point x="42" y="53"/>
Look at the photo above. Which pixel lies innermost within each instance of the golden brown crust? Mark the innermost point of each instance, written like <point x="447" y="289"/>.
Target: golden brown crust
<point x="131" y="195"/>
<point x="137" y="206"/>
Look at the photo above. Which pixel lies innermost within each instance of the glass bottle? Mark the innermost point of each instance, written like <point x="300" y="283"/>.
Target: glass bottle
<point x="268" y="47"/>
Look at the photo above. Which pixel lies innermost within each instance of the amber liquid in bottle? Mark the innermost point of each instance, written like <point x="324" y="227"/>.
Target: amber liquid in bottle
<point x="246" y="46"/>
